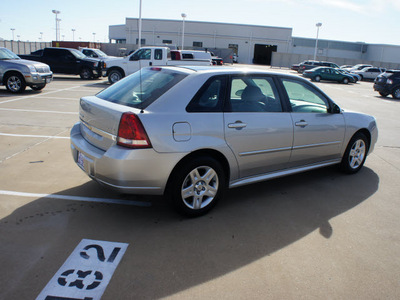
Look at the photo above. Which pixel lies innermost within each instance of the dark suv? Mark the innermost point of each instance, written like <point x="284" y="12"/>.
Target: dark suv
<point x="388" y="83"/>
<point x="311" y="64"/>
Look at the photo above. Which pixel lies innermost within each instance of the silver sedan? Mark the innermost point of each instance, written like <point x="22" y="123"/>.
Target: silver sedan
<point x="189" y="133"/>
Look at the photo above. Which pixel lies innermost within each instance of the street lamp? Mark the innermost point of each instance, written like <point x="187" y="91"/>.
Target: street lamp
<point x="12" y="30"/>
<point x="73" y="34"/>
<point x="94" y="36"/>
<point x="140" y="25"/>
<point x="183" y="15"/>
<point x="41" y="36"/>
<point x="56" y="12"/>
<point x="316" y="41"/>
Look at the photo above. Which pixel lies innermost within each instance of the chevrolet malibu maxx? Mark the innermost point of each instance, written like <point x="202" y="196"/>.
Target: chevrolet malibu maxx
<point x="189" y="133"/>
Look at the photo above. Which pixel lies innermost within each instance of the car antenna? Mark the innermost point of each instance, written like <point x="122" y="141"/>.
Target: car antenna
<point x="140" y="84"/>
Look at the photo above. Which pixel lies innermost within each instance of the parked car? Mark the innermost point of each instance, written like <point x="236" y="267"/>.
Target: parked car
<point x="369" y="72"/>
<point x="354" y="75"/>
<point x="388" y="83"/>
<point x="295" y="67"/>
<point x="346" y="66"/>
<point x="216" y="60"/>
<point x="330" y="74"/>
<point x="152" y="56"/>
<point x="69" y="61"/>
<point x="307" y="65"/>
<point x="357" y="67"/>
<point x="96" y="53"/>
<point x="188" y="133"/>
<point x="16" y="73"/>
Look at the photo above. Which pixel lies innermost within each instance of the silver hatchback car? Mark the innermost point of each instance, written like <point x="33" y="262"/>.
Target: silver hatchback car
<point x="188" y="133"/>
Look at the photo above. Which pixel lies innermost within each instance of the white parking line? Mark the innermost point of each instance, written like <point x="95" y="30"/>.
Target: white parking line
<point x="60" y="98"/>
<point x="76" y="198"/>
<point x="40" y="111"/>
<point x="38" y="95"/>
<point x="23" y="150"/>
<point x="35" y="136"/>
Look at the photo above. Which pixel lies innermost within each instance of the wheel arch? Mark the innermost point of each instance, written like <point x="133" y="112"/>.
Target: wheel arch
<point x="10" y="72"/>
<point x="218" y="156"/>
<point x="367" y="134"/>
<point x="118" y="69"/>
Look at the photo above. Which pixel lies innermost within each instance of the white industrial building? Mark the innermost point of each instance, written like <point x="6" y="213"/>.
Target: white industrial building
<point x="253" y="44"/>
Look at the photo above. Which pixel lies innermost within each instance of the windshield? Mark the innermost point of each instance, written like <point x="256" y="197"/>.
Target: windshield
<point x="100" y="53"/>
<point x="142" y="88"/>
<point x="7" y="54"/>
<point x="78" y="54"/>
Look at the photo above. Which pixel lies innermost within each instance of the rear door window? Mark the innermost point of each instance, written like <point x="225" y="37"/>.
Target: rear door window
<point x="253" y="94"/>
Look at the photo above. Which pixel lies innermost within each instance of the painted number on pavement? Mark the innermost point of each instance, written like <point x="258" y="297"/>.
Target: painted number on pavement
<point x="86" y="273"/>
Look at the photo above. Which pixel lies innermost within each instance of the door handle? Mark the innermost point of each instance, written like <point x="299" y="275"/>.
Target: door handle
<point x="150" y="63"/>
<point x="301" y="123"/>
<point x="237" y="125"/>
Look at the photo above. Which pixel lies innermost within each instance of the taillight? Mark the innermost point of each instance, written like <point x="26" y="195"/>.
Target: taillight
<point x="131" y="132"/>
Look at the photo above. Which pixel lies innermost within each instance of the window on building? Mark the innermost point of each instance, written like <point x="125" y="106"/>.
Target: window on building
<point x="167" y="41"/>
<point x="197" y="44"/>
<point x="143" y="42"/>
<point x="234" y="47"/>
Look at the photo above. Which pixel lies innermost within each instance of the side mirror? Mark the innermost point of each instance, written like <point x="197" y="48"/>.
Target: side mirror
<point x="335" y="109"/>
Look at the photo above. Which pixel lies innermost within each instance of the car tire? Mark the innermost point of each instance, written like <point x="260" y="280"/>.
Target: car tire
<point x="383" y="94"/>
<point x="196" y="186"/>
<point x="355" y="154"/>
<point x="396" y="93"/>
<point x="317" y="78"/>
<point x="114" y="76"/>
<point x="38" y="87"/>
<point x="345" y="80"/>
<point x="361" y="77"/>
<point x="15" y="83"/>
<point x="86" y="73"/>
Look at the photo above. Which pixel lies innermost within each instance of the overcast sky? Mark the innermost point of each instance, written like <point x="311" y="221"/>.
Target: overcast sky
<point x="370" y="21"/>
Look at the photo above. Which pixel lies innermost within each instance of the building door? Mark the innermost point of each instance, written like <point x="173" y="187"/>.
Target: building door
<point x="263" y="54"/>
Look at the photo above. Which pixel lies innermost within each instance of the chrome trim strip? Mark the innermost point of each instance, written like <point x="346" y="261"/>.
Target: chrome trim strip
<point x="317" y="145"/>
<point x="99" y="131"/>
<point x="254" y="179"/>
<point x="265" y="151"/>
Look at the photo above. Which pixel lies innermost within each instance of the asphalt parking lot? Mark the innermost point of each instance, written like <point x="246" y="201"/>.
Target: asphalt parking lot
<point x="316" y="235"/>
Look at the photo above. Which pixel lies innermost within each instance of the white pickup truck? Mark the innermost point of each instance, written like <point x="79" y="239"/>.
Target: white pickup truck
<point x="144" y="57"/>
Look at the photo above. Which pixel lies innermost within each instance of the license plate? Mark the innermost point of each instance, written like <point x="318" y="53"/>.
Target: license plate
<point x="81" y="161"/>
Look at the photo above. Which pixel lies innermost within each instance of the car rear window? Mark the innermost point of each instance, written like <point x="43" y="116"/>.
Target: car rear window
<point x="142" y="88"/>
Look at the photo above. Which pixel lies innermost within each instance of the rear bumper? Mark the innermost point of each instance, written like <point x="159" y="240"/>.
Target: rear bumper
<point x="382" y="88"/>
<point x="132" y="171"/>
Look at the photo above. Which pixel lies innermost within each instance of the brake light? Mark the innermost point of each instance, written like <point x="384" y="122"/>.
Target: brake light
<point x="131" y="132"/>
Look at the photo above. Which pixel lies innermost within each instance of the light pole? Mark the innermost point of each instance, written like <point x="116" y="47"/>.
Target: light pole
<point x="140" y="25"/>
<point x="73" y="34"/>
<point x="316" y="41"/>
<point x="41" y="36"/>
<point x="183" y="15"/>
<point x="56" y="12"/>
<point x="12" y="30"/>
<point x="94" y="36"/>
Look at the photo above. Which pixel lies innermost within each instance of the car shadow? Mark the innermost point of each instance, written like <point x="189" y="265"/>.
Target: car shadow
<point x="169" y="253"/>
<point x="388" y="98"/>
